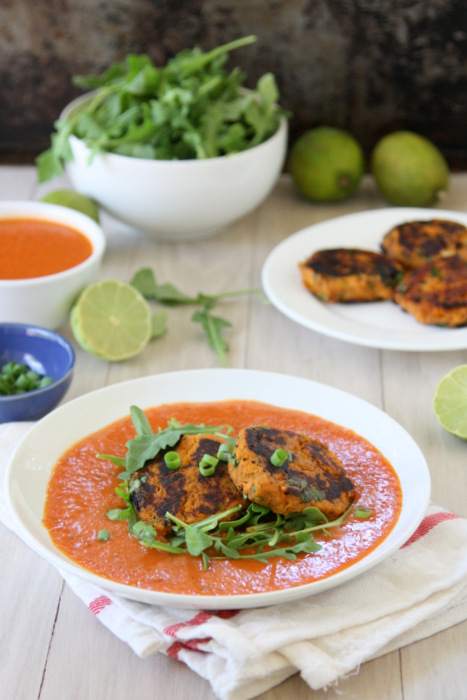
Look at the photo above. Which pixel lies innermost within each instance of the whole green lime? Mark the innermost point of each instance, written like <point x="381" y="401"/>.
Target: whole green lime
<point x="326" y="164"/>
<point x="409" y="170"/>
<point x="73" y="200"/>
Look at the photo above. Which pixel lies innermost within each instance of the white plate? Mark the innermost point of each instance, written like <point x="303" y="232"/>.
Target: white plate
<point x="379" y="324"/>
<point x="33" y="460"/>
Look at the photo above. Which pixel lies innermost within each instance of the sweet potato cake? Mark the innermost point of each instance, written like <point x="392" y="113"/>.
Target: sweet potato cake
<point x="436" y="293"/>
<point x="350" y="275"/>
<point x="310" y="475"/>
<point x="185" y="492"/>
<point x="415" y="243"/>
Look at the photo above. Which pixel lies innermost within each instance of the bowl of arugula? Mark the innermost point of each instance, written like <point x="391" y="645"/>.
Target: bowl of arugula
<point x="179" y="152"/>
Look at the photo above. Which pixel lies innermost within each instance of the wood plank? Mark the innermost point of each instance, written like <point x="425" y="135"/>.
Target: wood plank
<point x="29" y="600"/>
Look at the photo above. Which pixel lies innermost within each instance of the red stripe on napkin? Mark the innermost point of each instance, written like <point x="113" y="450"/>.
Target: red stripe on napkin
<point x="199" y="619"/>
<point x="98" y="604"/>
<point x="190" y="644"/>
<point x="175" y="649"/>
<point x="428" y="524"/>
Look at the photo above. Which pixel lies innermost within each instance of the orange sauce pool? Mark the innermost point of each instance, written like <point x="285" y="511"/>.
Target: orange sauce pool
<point x="82" y="489"/>
<point x="36" y="248"/>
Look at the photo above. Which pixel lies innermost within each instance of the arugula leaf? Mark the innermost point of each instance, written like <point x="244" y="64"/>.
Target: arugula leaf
<point x="145" y="282"/>
<point x="158" y="324"/>
<point x="213" y="327"/>
<point x="147" y="444"/>
<point x="190" y="108"/>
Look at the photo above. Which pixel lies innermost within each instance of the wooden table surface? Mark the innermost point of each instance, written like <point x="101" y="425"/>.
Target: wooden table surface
<point x="52" y="646"/>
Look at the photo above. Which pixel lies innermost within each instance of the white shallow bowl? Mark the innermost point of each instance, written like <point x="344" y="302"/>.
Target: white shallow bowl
<point x="46" y="301"/>
<point x="178" y="200"/>
<point x="34" y="459"/>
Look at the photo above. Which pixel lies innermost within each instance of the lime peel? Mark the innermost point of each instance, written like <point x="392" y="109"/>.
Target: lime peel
<point x="450" y="402"/>
<point x="73" y="200"/>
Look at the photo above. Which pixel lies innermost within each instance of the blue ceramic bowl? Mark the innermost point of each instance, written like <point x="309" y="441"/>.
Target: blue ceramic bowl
<point x="47" y="353"/>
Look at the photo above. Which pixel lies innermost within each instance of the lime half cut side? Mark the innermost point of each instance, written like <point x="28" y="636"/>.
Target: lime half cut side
<point x="450" y="402"/>
<point x="112" y="320"/>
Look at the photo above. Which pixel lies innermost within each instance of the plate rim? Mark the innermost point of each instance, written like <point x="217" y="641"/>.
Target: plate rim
<point x="344" y="329"/>
<point x="240" y="601"/>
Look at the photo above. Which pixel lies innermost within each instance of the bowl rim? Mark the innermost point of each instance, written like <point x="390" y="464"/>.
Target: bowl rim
<point x="49" y="335"/>
<point x="280" y="132"/>
<point x="54" y="213"/>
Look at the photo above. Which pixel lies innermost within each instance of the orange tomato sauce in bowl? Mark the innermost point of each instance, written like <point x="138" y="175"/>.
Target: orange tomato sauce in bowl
<point x="82" y="489"/>
<point x="32" y="248"/>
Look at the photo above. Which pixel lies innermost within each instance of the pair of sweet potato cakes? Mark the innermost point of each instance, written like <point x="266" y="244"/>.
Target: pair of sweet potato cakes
<point x="422" y="267"/>
<point x="310" y="475"/>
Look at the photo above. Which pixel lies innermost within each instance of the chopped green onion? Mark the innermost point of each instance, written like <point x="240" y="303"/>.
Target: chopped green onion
<point x="362" y="513"/>
<point x="278" y="458"/>
<point x="208" y="465"/>
<point x="224" y="451"/>
<point x="103" y="535"/>
<point x="18" y="378"/>
<point x="172" y="460"/>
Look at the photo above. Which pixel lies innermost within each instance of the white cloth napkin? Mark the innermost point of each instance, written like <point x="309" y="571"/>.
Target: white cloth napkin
<point x="418" y="591"/>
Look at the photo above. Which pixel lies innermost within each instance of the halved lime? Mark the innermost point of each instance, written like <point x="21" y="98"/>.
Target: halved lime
<point x="112" y="320"/>
<point x="73" y="200"/>
<point x="450" y="402"/>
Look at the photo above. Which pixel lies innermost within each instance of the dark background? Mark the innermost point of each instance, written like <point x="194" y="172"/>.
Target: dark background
<point x="367" y="66"/>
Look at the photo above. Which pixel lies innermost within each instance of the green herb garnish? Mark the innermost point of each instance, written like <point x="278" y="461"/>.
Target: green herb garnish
<point x="147" y="444"/>
<point x="257" y="532"/>
<point x="172" y="460"/>
<point x="362" y="513"/>
<point x="278" y="457"/>
<point x="189" y="109"/>
<point x="208" y="465"/>
<point x="145" y="282"/>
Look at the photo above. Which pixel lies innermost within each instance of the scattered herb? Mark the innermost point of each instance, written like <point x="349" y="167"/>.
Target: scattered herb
<point x="103" y="535"/>
<point x="362" y="513"/>
<point x="172" y="460"/>
<point x="225" y="451"/>
<point x="191" y="108"/>
<point x="145" y="282"/>
<point x="208" y="465"/>
<point x="306" y="490"/>
<point x="18" y="378"/>
<point x="279" y="457"/>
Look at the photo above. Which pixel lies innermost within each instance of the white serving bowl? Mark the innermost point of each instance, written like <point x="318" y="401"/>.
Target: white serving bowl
<point x="178" y="200"/>
<point x="46" y="301"/>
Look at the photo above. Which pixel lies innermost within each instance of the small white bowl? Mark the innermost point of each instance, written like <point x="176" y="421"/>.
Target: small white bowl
<point x="178" y="200"/>
<point x="46" y="301"/>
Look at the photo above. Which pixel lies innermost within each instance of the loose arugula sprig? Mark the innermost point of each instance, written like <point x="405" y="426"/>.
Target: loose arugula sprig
<point x="147" y="444"/>
<point x="190" y="108"/>
<point x="257" y="533"/>
<point x="145" y="282"/>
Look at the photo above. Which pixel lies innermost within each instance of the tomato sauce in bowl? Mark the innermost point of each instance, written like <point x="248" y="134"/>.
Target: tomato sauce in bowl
<point x="32" y="248"/>
<point x="81" y="490"/>
<point x="48" y="255"/>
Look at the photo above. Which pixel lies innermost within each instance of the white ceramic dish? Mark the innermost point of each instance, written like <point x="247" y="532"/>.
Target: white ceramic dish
<point x="35" y="457"/>
<point x="46" y="301"/>
<point x="377" y="324"/>
<point x="178" y="200"/>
